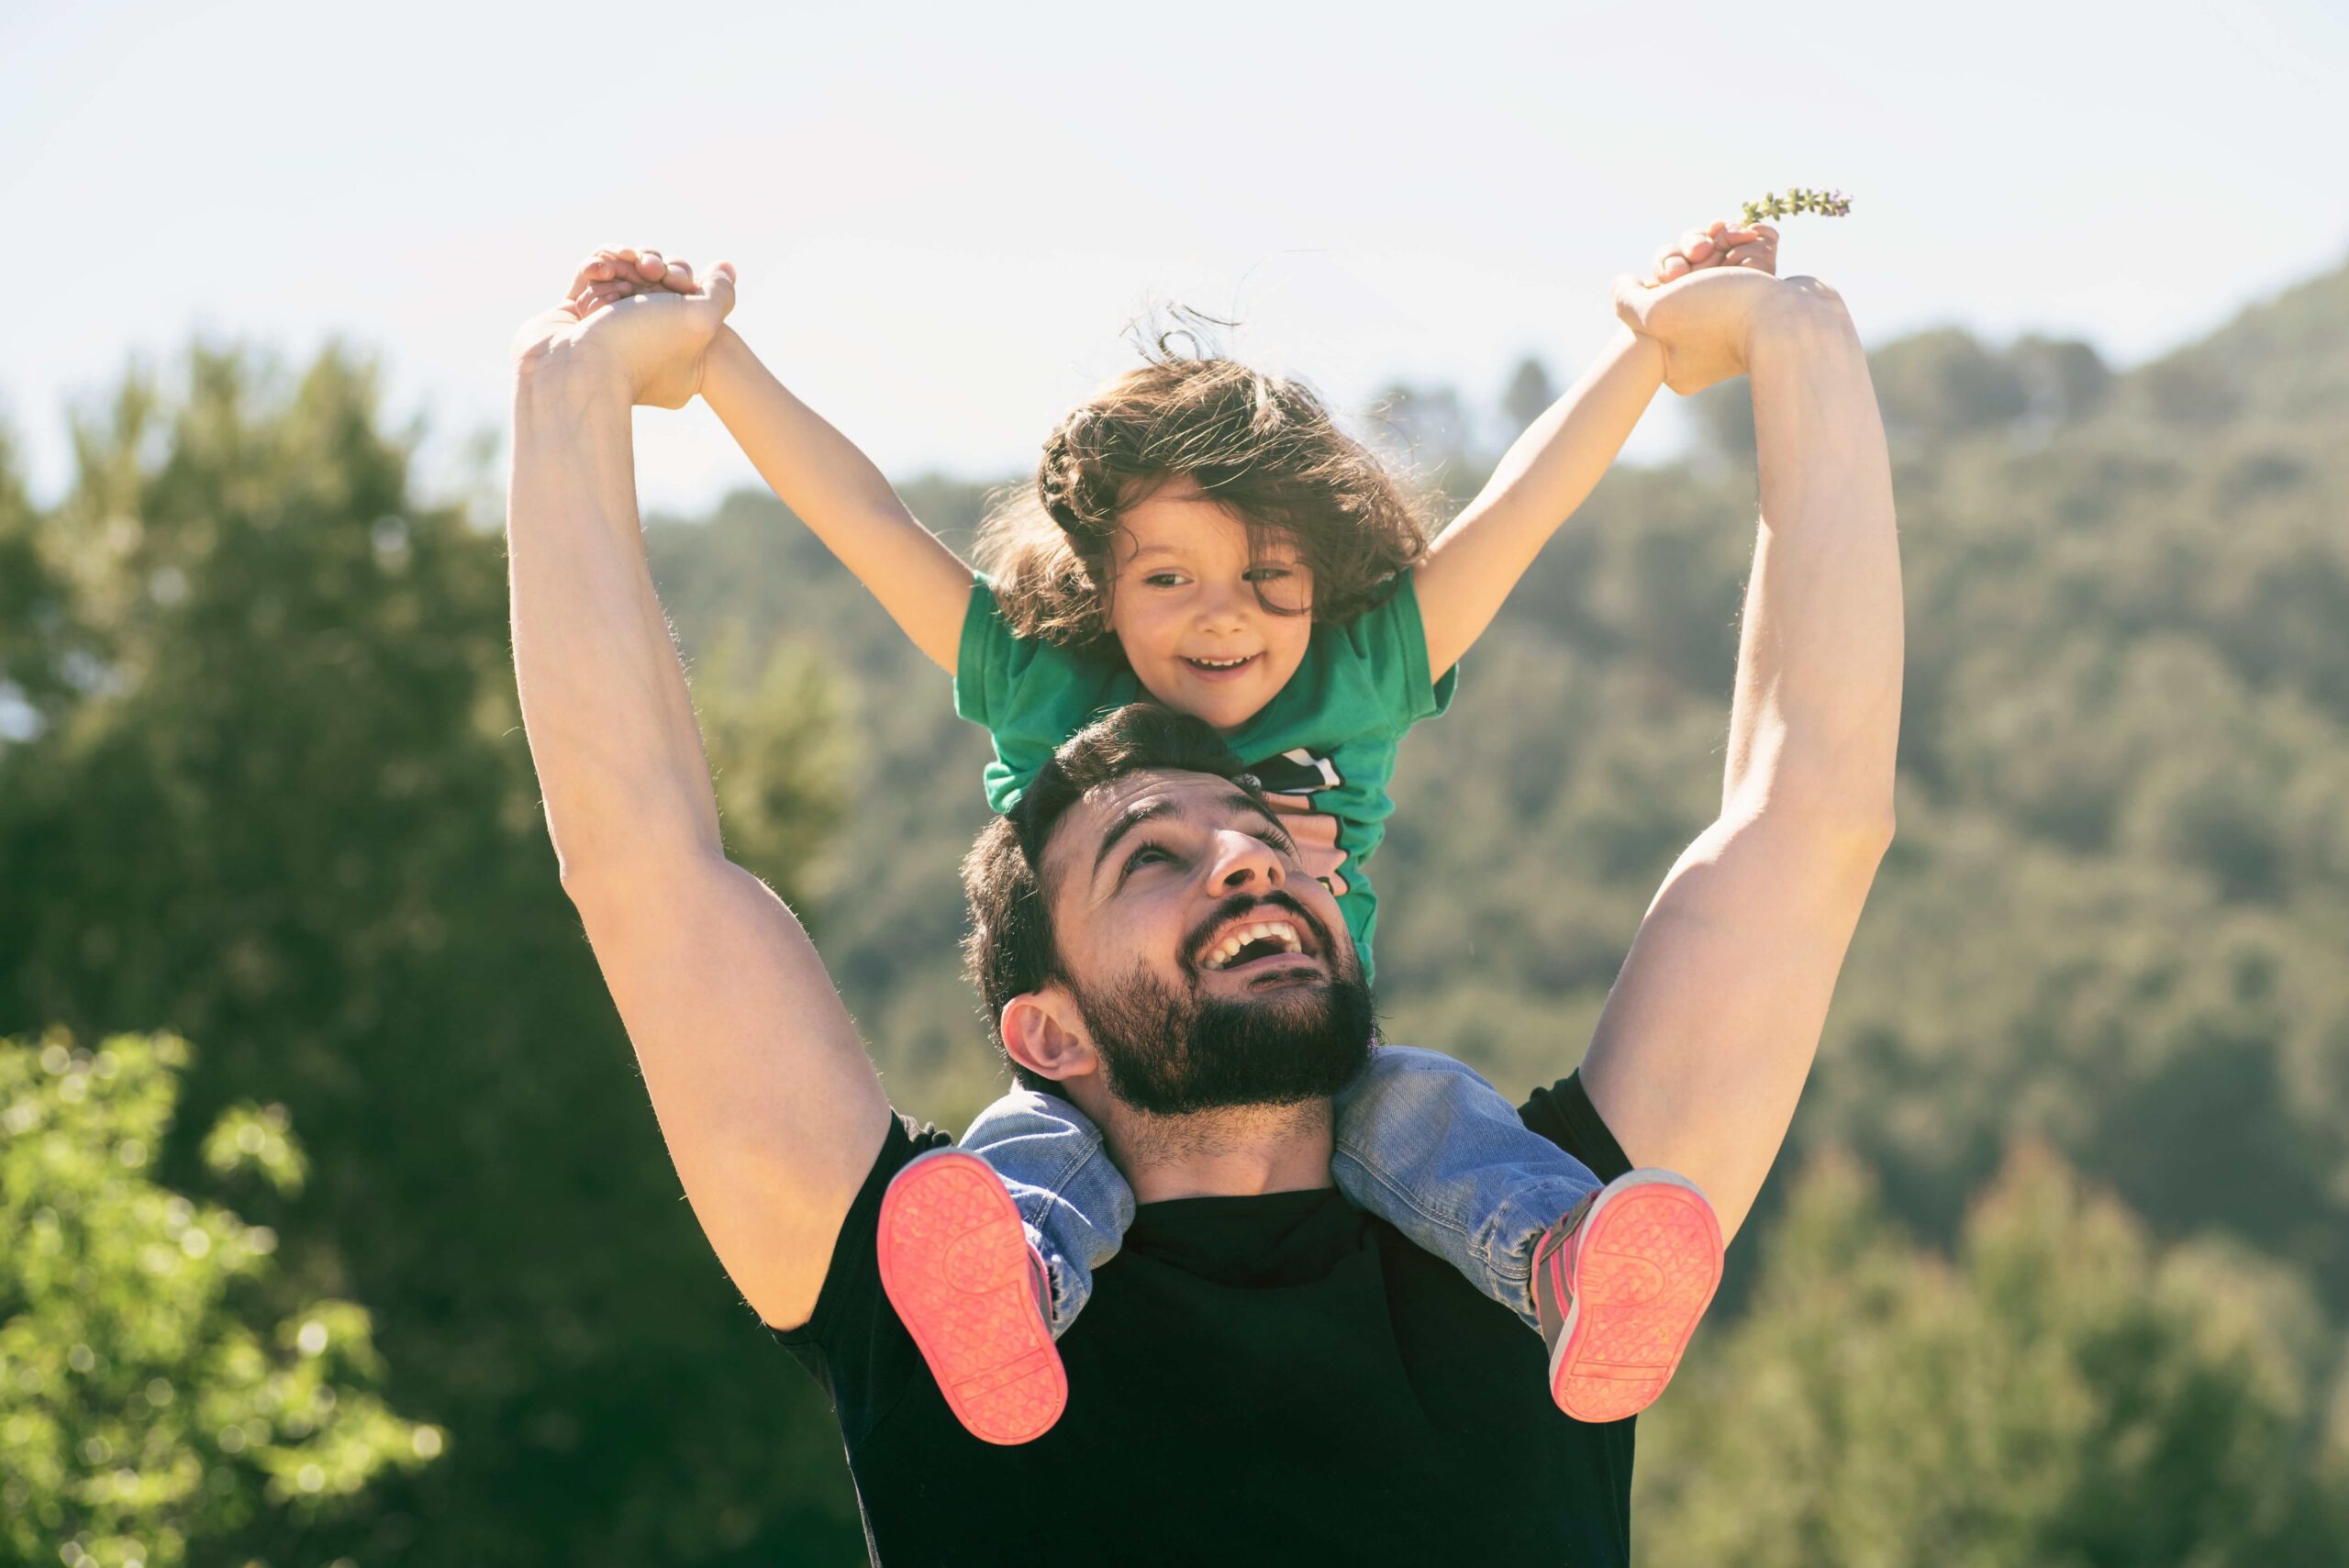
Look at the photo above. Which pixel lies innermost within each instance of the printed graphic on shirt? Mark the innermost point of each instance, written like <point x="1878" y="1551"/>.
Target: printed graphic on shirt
<point x="1297" y="772"/>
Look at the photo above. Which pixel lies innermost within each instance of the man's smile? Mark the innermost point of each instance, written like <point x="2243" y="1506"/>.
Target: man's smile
<point x="1270" y="936"/>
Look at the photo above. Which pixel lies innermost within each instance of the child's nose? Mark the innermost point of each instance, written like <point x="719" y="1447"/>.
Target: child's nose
<point x="1226" y="606"/>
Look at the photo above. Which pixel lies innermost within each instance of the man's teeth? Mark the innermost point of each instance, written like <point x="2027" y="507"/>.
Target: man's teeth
<point x="1240" y="937"/>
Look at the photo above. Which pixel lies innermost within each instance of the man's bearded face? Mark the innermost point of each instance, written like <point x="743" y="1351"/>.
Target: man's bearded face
<point x="1170" y="1049"/>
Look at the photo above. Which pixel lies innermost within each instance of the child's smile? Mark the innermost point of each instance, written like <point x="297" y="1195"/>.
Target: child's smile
<point x="1222" y="669"/>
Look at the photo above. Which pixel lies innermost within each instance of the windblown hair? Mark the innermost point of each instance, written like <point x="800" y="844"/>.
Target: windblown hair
<point x="1011" y="950"/>
<point x="1262" y="445"/>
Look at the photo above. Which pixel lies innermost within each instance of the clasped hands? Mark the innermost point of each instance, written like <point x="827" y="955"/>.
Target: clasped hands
<point x="645" y="321"/>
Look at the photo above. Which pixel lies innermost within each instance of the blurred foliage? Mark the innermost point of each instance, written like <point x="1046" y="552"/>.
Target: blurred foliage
<point x="2060" y="1394"/>
<point x="145" y="1399"/>
<point x="275" y="797"/>
<point x="261" y="783"/>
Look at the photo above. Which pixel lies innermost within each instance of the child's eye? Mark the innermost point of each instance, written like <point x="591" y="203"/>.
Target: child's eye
<point x="1163" y="580"/>
<point x="1269" y="573"/>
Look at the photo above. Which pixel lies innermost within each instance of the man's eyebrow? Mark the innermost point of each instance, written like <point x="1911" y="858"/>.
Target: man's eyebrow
<point x="1148" y="811"/>
<point x="1254" y="807"/>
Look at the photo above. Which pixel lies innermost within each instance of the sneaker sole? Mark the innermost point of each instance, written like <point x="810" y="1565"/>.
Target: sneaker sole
<point x="955" y="1264"/>
<point x="1643" y="1267"/>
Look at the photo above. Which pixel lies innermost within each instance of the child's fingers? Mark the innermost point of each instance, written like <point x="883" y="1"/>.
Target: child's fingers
<point x="650" y="265"/>
<point x="1696" y="245"/>
<point x="1313" y="827"/>
<point x="679" y="279"/>
<point x="1669" y="264"/>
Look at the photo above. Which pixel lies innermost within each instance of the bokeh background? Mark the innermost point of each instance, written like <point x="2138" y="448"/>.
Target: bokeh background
<point x="334" y="1227"/>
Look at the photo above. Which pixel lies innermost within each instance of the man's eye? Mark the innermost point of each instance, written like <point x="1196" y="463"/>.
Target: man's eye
<point x="1144" y="855"/>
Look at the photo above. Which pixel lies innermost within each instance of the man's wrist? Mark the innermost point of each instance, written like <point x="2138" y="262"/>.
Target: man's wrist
<point x="1797" y="308"/>
<point x="569" y="376"/>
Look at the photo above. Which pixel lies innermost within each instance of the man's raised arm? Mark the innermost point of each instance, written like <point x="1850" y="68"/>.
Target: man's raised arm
<point x="1708" y="1035"/>
<point x="771" y="1111"/>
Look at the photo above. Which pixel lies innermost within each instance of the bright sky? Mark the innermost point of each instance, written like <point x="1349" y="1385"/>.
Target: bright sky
<point x="943" y="214"/>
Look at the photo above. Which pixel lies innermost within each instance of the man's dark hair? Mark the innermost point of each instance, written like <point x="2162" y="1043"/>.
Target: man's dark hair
<point x="1011" y="950"/>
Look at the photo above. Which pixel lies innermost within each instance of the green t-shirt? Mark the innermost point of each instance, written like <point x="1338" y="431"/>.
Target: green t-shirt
<point x="1330" y="733"/>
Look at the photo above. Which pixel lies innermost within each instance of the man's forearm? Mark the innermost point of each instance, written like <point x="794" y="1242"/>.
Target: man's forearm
<point x="603" y="700"/>
<point x="1817" y="714"/>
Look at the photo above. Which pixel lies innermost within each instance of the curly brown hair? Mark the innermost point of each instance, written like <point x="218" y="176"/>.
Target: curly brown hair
<point x="1263" y="446"/>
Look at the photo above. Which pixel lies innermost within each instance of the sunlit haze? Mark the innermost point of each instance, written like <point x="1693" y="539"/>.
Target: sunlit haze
<point x="942" y="216"/>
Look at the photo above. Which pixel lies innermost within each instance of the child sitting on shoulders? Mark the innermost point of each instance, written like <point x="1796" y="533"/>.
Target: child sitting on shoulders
<point x="1203" y="536"/>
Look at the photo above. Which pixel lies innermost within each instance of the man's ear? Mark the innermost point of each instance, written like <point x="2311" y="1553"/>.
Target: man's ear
<point x="1043" y="1032"/>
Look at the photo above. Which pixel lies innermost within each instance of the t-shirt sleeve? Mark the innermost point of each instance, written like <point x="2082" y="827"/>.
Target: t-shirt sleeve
<point x="853" y="1344"/>
<point x="987" y="661"/>
<point x="1563" y="1114"/>
<point x="1392" y="643"/>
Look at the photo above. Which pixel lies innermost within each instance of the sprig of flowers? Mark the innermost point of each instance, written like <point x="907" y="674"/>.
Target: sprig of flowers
<point x="1826" y="203"/>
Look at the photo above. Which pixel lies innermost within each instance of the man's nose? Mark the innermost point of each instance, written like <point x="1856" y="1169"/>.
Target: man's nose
<point x="1243" y="861"/>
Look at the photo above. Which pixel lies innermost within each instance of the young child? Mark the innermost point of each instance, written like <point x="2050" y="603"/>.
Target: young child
<point x="1204" y="536"/>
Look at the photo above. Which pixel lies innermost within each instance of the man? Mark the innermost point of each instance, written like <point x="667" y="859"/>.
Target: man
<point x="1265" y="1372"/>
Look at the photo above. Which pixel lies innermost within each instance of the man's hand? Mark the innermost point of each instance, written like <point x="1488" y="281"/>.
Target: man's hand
<point x="636" y="316"/>
<point x="1702" y="322"/>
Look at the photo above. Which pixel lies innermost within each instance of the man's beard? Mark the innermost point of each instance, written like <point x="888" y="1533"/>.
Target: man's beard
<point x="1170" y="1052"/>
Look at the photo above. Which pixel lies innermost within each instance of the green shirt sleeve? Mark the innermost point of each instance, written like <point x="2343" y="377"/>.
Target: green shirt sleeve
<point x="1392" y="645"/>
<point x="1030" y="695"/>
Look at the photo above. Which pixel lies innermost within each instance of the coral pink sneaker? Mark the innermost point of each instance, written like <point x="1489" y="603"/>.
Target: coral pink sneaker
<point x="971" y="1290"/>
<point x="1618" y="1285"/>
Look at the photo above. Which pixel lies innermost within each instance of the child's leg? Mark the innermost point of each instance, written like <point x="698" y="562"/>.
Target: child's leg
<point x="1074" y="1203"/>
<point x="1614" y="1278"/>
<point x="1428" y="1146"/>
<point x="987" y="1253"/>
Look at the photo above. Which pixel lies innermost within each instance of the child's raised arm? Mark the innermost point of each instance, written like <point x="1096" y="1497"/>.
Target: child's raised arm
<point x="1555" y="464"/>
<point x="815" y="469"/>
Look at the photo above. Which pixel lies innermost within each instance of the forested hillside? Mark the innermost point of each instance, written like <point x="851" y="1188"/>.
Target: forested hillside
<point x="2056" y="1269"/>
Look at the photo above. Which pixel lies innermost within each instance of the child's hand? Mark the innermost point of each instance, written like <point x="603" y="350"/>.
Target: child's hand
<point x="651" y="317"/>
<point x="1699" y="300"/>
<point x="619" y="272"/>
<point x="1315" y="834"/>
<point x="1719" y="244"/>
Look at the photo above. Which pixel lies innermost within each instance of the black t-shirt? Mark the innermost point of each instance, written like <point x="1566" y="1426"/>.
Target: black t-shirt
<point x="1281" y="1378"/>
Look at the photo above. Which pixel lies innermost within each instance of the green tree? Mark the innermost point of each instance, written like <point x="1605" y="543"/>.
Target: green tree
<point x="1526" y="398"/>
<point x="149" y="1401"/>
<point x="2062" y="1394"/>
<point x="284" y="806"/>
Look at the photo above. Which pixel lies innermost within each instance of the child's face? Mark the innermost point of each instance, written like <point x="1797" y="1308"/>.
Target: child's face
<point x="1186" y="605"/>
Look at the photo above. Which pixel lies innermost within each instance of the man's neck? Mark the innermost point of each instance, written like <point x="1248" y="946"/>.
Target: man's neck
<point x="1238" y="1152"/>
